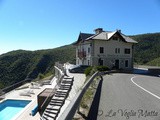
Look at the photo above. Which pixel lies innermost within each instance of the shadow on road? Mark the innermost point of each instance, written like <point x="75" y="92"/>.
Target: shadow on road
<point x="93" y="113"/>
<point x="141" y="71"/>
<point x="148" y="72"/>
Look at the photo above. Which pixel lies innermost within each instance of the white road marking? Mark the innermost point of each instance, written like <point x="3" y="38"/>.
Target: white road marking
<point x="144" y="88"/>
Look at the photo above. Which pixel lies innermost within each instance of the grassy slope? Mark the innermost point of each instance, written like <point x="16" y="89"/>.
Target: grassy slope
<point x="18" y="65"/>
<point x="148" y="48"/>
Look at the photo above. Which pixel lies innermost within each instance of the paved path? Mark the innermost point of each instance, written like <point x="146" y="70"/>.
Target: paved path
<point x="129" y="97"/>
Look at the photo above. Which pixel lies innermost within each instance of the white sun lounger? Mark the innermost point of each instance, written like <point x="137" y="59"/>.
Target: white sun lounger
<point x="29" y="91"/>
<point x="26" y="93"/>
<point x="35" y="87"/>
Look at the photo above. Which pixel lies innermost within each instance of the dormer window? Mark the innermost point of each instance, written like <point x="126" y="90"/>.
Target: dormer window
<point x="115" y="38"/>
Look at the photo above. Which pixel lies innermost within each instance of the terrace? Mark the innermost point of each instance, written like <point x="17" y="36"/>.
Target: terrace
<point x="30" y="91"/>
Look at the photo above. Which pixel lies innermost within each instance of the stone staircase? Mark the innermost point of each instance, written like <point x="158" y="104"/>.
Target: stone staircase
<point x="52" y="110"/>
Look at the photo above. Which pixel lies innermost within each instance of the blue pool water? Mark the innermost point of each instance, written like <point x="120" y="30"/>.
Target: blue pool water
<point x="10" y="108"/>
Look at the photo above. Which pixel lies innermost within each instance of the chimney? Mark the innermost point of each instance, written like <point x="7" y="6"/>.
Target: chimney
<point x="119" y="30"/>
<point x="98" y="30"/>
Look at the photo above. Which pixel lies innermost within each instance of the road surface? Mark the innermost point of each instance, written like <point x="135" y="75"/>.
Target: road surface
<point x="129" y="97"/>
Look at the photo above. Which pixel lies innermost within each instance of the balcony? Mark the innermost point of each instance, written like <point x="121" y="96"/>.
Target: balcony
<point x="82" y="54"/>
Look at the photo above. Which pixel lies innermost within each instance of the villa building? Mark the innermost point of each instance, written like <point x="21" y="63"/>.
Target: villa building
<point x="112" y="49"/>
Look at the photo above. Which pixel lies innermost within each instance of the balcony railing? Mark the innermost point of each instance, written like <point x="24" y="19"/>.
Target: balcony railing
<point x="82" y="54"/>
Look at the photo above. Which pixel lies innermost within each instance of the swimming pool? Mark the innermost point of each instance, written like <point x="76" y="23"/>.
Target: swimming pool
<point x="10" y="108"/>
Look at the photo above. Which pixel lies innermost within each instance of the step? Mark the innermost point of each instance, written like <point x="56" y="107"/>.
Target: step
<point x="62" y="84"/>
<point x="57" y="101"/>
<point x="63" y="91"/>
<point x="64" y="87"/>
<point x="57" y="94"/>
<point x="58" y="98"/>
<point x="51" y="107"/>
<point x="53" y="116"/>
<point x="44" y="118"/>
<point x="56" y="104"/>
<point x="65" y="77"/>
<point x="60" y="95"/>
<point x="52" y="111"/>
<point x="67" y="80"/>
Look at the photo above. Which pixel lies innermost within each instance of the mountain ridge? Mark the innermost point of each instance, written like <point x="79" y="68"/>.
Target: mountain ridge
<point x="20" y="64"/>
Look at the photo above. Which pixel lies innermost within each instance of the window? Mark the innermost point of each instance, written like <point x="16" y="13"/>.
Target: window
<point x="88" y="50"/>
<point x="117" y="50"/>
<point x="88" y="62"/>
<point x="126" y="63"/>
<point x="127" y="51"/>
<point x="101" y="49"/>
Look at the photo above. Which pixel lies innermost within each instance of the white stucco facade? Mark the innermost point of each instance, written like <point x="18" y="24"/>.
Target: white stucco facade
<point x="114" y="52"/>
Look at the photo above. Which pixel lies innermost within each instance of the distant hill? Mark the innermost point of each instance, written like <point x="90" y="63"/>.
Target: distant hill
<point x="147" y="49"/>
<point x="18" y="65"/>
<point x="155" y="62"/>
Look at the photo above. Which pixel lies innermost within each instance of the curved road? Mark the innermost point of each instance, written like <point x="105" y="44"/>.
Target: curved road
<point x="129" y="97"/>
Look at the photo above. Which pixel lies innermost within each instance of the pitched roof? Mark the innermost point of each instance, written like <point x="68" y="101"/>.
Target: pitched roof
<point x="82" y="36"/>
<point x="85" y="35"/>
<point x="104" y="35"/>
<point x="128" y="39"/>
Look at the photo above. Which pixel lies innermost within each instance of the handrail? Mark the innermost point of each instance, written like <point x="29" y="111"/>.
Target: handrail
<point x="60" y="74"/>
<point x="74" y="104"/>
<point x="59" y="65"/>
<point x="11" y="87"/>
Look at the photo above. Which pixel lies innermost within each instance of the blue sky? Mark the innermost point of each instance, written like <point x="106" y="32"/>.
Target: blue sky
<point x="44" y="24"/>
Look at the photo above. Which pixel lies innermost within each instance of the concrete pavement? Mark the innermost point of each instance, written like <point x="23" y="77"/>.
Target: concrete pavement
<point x="121" y="99"/>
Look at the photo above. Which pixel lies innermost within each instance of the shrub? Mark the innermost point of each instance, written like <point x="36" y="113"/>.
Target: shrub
<point x="102" y="68"/>
<point x="92" y="70"/>
<point x="88" y="71"/>
<point x="40" y="76"/>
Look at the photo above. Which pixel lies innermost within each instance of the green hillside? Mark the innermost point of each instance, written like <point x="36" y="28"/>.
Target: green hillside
<point x="147" y="49"/>
<point x="18" y="65"/>
<point x="155" y="62"/>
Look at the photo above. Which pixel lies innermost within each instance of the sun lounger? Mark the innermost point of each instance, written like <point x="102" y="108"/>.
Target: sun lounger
<point x="29" y="91"/>
<point x="24" y="94"/>
<point x="34" y="87"/>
